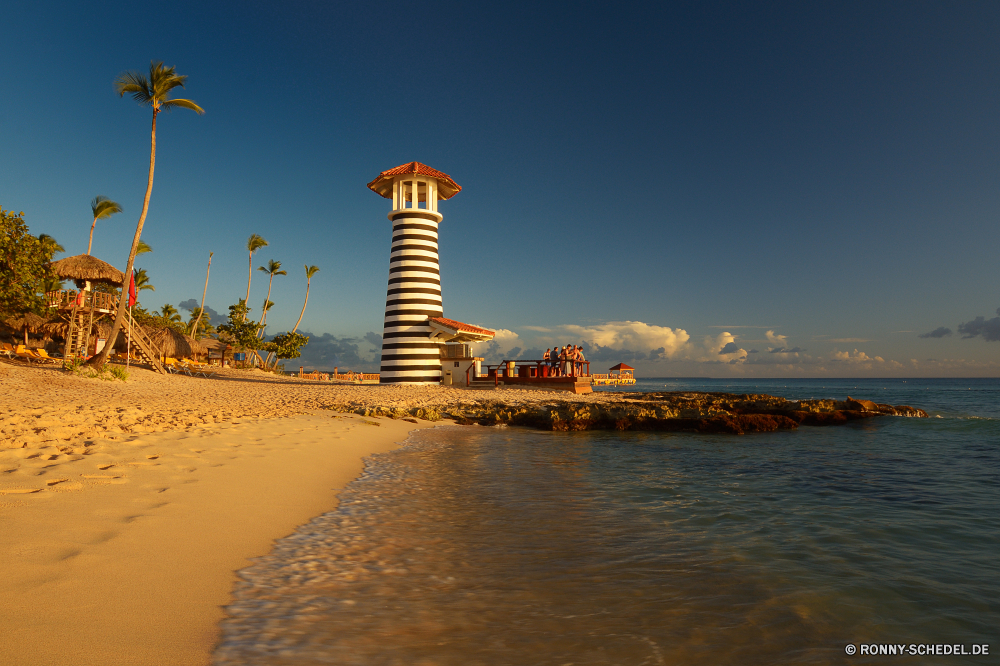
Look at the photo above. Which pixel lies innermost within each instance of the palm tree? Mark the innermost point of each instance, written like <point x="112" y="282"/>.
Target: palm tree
<point x="273" y="268"/>
<point x="201" y="310"/>
<point x="254" y="243"/>
<point x="50" y="246"/>
<point x="310" y="271"/>
<point x="153" y="92"/>
<point x="103" y="208"/>
<point x="170" y="313"/>
<point x="142" y="281"/>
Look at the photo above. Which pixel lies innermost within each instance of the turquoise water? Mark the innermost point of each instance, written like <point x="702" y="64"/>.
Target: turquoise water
<point x="476" y="545"/>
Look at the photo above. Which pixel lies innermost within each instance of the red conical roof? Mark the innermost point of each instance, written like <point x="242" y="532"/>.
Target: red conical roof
<point x="447" y="188"/>
<point x="621" y="366"/>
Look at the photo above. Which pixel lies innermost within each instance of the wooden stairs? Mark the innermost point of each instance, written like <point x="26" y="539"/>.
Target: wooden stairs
<point x="147" y="352"/>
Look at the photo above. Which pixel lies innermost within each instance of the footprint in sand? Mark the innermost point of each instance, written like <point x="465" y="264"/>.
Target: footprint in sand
<point x="19" y="491"/>
<point x="105" y="466"/>
<point x="52" y="482"/>
<point x="153" y="457"/>
<point x="100" y="476"/>
<point x="103" y="537"/>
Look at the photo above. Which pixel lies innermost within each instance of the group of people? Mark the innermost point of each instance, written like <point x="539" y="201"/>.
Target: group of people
<point x="566" y="360"/>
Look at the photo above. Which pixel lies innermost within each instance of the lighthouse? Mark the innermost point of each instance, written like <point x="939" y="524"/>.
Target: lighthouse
<point x="411" y="350"/>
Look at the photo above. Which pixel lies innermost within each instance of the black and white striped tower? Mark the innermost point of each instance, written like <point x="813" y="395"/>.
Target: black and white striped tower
<point x="409" y="355"/>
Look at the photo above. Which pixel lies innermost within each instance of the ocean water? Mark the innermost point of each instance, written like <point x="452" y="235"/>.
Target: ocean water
<point x="473" y="545"/>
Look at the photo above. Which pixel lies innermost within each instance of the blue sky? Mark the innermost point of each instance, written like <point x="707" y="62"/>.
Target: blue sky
<point x="805" y="188"/>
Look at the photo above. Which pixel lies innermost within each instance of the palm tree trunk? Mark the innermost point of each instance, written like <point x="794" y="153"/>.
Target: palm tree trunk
<point x="249" y="276"/>
<point x="308" y="281"/>
<point x="263" y="315"/>
<point x="100" y="359"/>
<point x="90" y="243"/>
<point x="201" y="311"/>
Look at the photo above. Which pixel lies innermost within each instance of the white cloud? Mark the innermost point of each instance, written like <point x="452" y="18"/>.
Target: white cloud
<point x="776" y="340"/>
<point x="856" y="357"/>
<point x="632" y="335"/>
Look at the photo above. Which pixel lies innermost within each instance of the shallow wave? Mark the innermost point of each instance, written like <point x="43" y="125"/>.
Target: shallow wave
<point x="485" y="546"/>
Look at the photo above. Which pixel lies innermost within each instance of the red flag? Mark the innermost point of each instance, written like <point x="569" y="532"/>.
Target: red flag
<point x="131" y="290"/>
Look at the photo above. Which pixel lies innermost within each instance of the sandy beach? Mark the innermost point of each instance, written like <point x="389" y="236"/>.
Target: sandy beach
<point x="127" y="508"/>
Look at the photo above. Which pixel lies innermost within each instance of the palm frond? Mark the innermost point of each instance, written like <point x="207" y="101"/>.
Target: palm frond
<point x="136" y="84"/>
<point x="51" y="242"/>
<point x="311" y="270"/>
<point x="103" y="207"/>
<point x="155" y="90"/>
<point x="143" y="248"/>
<point x="182" y="104"/>
<point x="255" y="242"/>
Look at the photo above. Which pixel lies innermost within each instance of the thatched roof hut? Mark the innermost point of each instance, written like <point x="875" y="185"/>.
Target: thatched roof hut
<point x="85" y="268"/>
<point x="59" y="327"/>
<point x="26" y="323"/>
<point x="29" y="322"/>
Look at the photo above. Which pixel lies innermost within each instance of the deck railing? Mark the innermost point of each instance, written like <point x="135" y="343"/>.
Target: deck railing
<point x="537" y="368"/>
<point x="355" y="376"/>
<point x="65" y="299"/>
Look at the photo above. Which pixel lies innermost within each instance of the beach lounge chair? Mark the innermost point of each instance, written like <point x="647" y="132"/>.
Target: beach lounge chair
<point x="23" y="352"/>
<point x="7" y="349"/>
<point x="44" y="356"/>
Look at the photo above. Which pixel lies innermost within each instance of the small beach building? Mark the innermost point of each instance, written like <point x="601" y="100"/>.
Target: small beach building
<point x="459" y="367"/>
<point x="622" y="374"/>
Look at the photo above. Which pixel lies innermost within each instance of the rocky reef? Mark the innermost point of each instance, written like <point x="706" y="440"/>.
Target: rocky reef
<point x="667" y="411"/>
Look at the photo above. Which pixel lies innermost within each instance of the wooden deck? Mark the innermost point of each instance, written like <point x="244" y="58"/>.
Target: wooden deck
<point x="67" y="299"/>
<point x="537" y="374"/>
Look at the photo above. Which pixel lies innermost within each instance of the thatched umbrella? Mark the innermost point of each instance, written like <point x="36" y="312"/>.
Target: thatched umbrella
<point x="26" y="322"/>
<point x="169" y="342"/>
<point x="85" y="268"/>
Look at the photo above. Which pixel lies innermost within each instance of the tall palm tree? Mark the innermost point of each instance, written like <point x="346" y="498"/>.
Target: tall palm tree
<point x="201" y="310"/>
<point x="102" y="208"/>
<point x="254" y="243"/>
<point x="310" y="271"/>
<point x="170" y="313"/>
<point x="273" y="268"/>
<point x="153" y="92"/>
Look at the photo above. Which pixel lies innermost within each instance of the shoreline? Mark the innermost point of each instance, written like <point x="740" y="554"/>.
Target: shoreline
<point x="135" y="564"/>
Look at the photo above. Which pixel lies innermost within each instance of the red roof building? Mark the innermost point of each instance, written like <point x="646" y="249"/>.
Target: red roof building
<point x="456" y="331"/>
